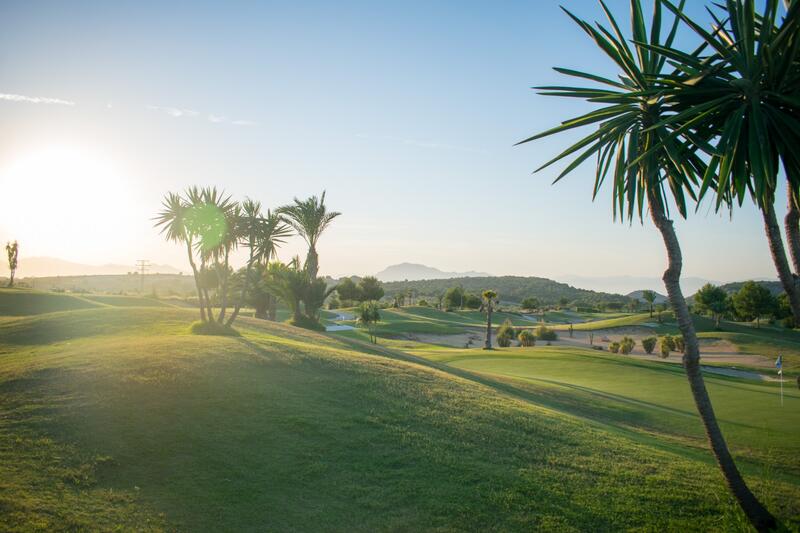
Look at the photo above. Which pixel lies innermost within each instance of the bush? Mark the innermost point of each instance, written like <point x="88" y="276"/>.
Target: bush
<point x="677" y="340"/>
<point x="307" y="323"/>
<point x="788" y="322"/>
<point x="423" y="303"/>
<point x="526" y="338"/>
<point x="667" y="345"/>
<point x="626" y="345"/>
<point x="505" y="334"/>
<point x="649" y="344"/>
<point x="613" y="347"/>
<point x="212" y="328"/>
<point x="546" y="334"/>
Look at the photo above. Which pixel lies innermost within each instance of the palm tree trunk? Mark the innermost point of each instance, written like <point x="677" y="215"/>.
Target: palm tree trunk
<point x="196" y="280"/>
<point x="792" y="226"/>
<point x="272" y="308"/>
<point x="312" y="262"/>
<point x="778" y="252"/>
<point x="756" y="513"/>
<point x="11" y="278"/>
<point x="488" y="345"/>
<point x="245" y="286"/>
<point x="224" y="298"/>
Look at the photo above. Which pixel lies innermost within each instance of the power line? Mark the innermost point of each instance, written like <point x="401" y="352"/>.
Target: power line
<point x="142" y="265"/>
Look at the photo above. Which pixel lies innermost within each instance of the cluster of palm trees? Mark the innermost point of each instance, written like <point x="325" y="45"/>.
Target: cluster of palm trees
<point x="678" y="125"/>
<point x="211" y="226"/>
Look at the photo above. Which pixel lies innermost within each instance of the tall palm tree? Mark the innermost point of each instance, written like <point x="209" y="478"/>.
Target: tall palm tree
<point x="262" y="236"/>
<point x="172" y="220"/>
<point x="489" y="297"/>
<point x="742" y="100"/>
<point x="309" y="218"/>
<point x="12" y="251"/>
<point x="650" y="165"/>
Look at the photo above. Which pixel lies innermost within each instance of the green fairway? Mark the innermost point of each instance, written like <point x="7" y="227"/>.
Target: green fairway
<point x="118" y="417"/>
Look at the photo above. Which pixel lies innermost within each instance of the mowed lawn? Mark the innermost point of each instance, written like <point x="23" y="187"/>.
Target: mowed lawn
<point x="652" y="399"/>
<point x="117" y="418"/>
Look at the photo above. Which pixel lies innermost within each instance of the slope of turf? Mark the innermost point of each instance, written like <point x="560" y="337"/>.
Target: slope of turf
<point x="117" y="417"/>
<point x="23" y="302"/>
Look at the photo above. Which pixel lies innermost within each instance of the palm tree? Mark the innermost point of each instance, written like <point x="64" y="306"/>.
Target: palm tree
<point x="648" y="162"/>
<point x="489" y="297"/>
<point x="262" y="236"/>
<point x="172" y="220"/>
<point x="212" y="218"/>
<point x="309" y="218"/>
<point x="650" y="298"/>
<point x="288" y="282"/>
<point x="743" y="98"/>
<point x="12" y="251"/>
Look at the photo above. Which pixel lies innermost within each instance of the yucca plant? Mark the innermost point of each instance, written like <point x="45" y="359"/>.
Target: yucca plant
<point x="741" y="101"/>
<point x="650" y="164"/>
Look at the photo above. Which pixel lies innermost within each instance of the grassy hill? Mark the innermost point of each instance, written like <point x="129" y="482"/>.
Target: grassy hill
<point x="510" y="288"/>
<point x="116" y="417"/>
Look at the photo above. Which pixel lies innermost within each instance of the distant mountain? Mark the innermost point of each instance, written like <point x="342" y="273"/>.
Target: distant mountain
<point x="415" y="272"/>
<point x="37" y="267"/>
<point x="629" y="284"/>
<point x="637" y="295"/>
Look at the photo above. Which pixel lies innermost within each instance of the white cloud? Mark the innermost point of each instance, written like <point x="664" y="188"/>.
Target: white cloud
<point x="177" y="112"/>
<point x="174" y="111"/>
<point x="34" y="99"/>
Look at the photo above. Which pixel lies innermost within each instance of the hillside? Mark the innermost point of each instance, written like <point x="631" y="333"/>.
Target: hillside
<point x="52" y="266"/>
<point x="510" y="288"/>
<point x="116" y="417"/>
<point x="162" y="284"/>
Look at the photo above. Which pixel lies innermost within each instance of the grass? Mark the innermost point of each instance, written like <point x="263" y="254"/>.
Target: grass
<point x="117" y="417"/>
<point x="23" y="302"/>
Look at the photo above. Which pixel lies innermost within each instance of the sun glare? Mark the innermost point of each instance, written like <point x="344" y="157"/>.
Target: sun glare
<point x="63" y="194"/>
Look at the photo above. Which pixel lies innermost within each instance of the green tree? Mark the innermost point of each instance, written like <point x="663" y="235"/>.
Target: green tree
<point x="309" y="218"/>
<point x="370" y="288"/>
<point x="453" y="298"/>
<point x="529" y="304"/>
<point x="12" y="251"/>
<point x="637" y="140"/>
<point x="753" y="301"/>
<point x="348" y="291"/>
<point x="489" y="298"/>
<point x="261" y="236"/>
<point x="650" y="298"/>
<point x="562" y="303"/>
<point x="712" y="299"/>
<point x="472" y="301"/>
<point x="368" y="316"/>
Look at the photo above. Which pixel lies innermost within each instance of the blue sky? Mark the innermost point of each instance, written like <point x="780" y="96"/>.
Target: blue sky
<point x="406" y="113"/>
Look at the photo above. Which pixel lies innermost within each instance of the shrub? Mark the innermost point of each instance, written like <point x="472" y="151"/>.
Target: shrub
<point x="505" y="334"/>
<point x="649" y="344"/>
<point x="788" y="322"/>
<point x="626" y="345"/>
<point x="546" y="334"/>
<point x="613" y="347"/>
<point x="526" y="338"/>
<point x="212" y="328"/>
<point x="667" y="345"/>
<point x="307" y="323"/>
<point x="423" y="303"/>
<point x="677" y="340"/>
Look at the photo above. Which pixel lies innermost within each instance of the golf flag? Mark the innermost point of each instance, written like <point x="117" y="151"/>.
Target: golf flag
<point x="779" y="365"/>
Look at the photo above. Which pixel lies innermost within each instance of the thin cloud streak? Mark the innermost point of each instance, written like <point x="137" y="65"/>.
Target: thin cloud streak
<point x="34" y="99"/>
<point x="176" y="112"/>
